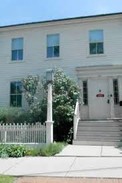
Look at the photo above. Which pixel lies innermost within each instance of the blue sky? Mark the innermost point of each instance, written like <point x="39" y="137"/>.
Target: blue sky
<point x="23" y="11"/>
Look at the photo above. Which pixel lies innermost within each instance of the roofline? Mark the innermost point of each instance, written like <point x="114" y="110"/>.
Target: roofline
<point x="63" y="19"/>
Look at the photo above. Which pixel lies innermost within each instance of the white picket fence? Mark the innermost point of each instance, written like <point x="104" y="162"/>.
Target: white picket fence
<point x="23" y="133"/>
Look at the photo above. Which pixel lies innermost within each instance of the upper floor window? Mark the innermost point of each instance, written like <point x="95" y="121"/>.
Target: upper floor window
<point x="17" y="49"/>
<point x="53" y="48"/>
<point x="96" y="45"/>
<point x="16" y="94"/>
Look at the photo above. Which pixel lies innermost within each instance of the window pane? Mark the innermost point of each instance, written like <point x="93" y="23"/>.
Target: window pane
<point x="20" y="55"/>
<point x="85" y="93"/>
<point x="93" y="48"/>
<point x="14" y="54"/>
<point x="96" y="36"/>
<point x="17" y="44"/>
<point x="49" y="52"/>
<point x="13" y="100"/>
<point x="18" y="87"/>
<point x="16" y="94"/>
<point x="53" y="40"/>
<point x="116" y="91"/>
<point x="99" y="48"/>
<point x="19" y="100"/>
<point x="13" y="88"/>
<point x="56" y="51"/>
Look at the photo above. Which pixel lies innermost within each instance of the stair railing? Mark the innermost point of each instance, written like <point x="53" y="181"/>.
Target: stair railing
<point x="76" y="119"/>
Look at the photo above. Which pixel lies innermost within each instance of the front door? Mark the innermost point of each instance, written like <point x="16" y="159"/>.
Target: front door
<point x="99" y="106"/>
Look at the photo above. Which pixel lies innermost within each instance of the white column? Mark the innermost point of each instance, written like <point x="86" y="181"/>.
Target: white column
<point x="111" y="98"/>
<point x="49" y="122"/>
<point x="120" y="87"/>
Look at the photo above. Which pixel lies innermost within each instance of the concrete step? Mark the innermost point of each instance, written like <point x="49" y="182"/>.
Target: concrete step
<point x="96" y="133"/>
<point x="99" y="132"/>
<point x="99" y="138"/>
<point x="97" y="128"/>
<point x="101" y="124"/>
<point x="107" y="143"/>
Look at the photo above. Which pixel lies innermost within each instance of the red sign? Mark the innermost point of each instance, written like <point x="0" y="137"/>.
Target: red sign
<point x="100" y="95"/>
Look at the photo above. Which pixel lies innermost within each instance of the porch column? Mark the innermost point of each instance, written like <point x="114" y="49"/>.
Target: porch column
<point x="120" y="87"/>
<point x="111" y="98"/>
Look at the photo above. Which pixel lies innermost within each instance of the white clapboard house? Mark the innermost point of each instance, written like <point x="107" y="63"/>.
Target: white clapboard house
<point x="88" y="49"/>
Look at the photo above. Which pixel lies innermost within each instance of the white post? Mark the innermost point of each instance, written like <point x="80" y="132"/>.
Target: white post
<point x="49" y="122"/>
<point x="111" y="98"/>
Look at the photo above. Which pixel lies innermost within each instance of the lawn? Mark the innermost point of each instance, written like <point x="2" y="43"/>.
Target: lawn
<point x="6" y="179"/>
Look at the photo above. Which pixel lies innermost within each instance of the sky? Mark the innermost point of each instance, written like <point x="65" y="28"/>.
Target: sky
<point x="24" y="11"/>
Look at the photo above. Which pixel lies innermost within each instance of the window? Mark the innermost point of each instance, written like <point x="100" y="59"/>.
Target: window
<point x="85" y="93"/>
<point x="53" y="45"/>
<point x="16" y="94"/>
<point x="116" y="91"/>
<point x="96" y="42"/>
<point x="17" y="49"/>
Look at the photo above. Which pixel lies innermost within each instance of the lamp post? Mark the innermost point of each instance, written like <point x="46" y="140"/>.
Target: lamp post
<point x="49" y="122"/>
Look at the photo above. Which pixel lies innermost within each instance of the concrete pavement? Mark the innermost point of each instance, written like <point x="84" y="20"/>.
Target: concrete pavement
<point x="91" y="151"/>
<point x="67" y="166"/>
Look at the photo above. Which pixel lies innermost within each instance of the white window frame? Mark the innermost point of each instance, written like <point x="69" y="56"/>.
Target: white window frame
<point x="15" y="94"/>
<point x="96" y="42"/>
<point x="53" y="45"/>
<point x="17" y="49"/>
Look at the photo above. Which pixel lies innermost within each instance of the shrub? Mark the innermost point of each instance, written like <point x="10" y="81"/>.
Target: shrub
<point x="51" y="149"/>
<point x="12" y="150"/>
<point x="21" y="150"/>
<point x="65" y="93"/>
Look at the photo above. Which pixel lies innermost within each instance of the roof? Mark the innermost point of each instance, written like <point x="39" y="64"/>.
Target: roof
<point x="64" y="19"/>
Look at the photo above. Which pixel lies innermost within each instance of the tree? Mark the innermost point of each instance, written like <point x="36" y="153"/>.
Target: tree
<point x="65" y="94"/>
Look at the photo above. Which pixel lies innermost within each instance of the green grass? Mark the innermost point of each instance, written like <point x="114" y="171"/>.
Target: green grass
<point x="6" y="179"/>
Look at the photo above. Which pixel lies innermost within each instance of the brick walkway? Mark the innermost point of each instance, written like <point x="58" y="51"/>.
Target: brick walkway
<point x="66" y="180"/>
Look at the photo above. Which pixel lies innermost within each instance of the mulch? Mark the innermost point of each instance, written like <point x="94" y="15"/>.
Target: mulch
<point x="65" y="180"/>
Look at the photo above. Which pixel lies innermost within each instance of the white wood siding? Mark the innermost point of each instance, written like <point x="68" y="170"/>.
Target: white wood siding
<point x="74" y="48"/>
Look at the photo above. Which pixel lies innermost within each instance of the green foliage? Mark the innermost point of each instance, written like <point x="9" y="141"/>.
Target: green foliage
<point x="21" y="150"/>
<point x="12" y="150"/>
<point x="30" y="85"/>
<point x="51" y="149"/>
<point x="6" y="179"/>
<point x="65" y="94"/>
<point x="14" y="115"/>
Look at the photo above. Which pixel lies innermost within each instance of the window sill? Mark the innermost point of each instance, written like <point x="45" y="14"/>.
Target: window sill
<point x="96" y="55"/>
<point x="53" y="59"/>
<point x="18" y="61"/>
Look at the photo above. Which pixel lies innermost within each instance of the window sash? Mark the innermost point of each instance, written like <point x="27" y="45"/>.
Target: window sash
<point x="96" y="36"/>
<point x="17" y="54"/>
<point x="96" y="48"/>
<point x="52" y="40"/>
<point x="17" y="43"/>
<point x="53" y="51"/>
<point x="16" y="94"/>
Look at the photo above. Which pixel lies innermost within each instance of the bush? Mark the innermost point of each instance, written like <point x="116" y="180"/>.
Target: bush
<point x="12" y="150"/>
<point x="21" y="150"/>
<point x="51" y="149"/>
<point x="65" y="94"/>
<point x="14" y="115"/>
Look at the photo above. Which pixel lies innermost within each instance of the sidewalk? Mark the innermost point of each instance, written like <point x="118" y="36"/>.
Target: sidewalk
<point x="90" y="151"/>
<point x="72" y="165"/>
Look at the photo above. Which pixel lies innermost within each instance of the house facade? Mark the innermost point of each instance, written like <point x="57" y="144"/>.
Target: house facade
<point x="89" y="49"/>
